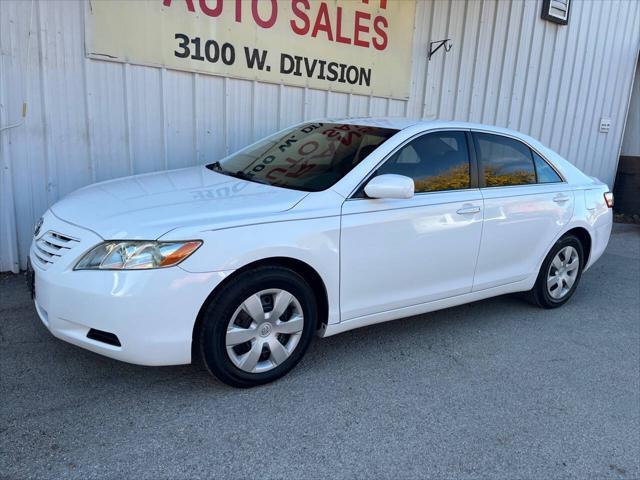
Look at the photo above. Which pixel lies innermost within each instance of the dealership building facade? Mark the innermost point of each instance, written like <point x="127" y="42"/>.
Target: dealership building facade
<point x="91" y="91"/>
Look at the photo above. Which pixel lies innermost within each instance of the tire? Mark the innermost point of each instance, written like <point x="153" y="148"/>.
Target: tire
<point x="238" y="328"/>
<point x="546" y="292"/>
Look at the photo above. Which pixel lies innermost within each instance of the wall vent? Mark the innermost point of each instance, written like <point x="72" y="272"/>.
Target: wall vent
<point x="556" y="11"/>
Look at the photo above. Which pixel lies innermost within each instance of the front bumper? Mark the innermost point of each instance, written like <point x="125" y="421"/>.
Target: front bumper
<point x="152" y="312"/>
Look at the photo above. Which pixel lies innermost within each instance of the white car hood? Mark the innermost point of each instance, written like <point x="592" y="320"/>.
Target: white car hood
<point x="147" y="206"/>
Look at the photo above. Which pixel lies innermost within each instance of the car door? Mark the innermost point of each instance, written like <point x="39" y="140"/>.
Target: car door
<point x="396" y="253"/>
<point x="526" y="204"/>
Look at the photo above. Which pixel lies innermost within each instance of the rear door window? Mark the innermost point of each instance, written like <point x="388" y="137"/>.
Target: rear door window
<point x="504" y="161"/>
<point x="544" y="171"/>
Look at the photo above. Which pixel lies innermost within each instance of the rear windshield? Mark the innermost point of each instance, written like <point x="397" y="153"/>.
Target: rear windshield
<point x="309" y="157"/>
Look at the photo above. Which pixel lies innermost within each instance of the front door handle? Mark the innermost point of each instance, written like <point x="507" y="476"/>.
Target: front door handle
<point x="561" y="198"/>
<point x="468" y="210"/>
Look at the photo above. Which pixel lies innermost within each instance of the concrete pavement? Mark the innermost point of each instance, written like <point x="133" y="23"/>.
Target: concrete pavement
<point x="496" y="389"/>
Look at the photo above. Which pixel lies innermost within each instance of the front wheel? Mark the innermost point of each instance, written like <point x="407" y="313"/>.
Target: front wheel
<point x="560" y="273"/>
<point x="258" y="327"/>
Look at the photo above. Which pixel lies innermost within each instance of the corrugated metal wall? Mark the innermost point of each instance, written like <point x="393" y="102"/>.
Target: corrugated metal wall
<point x="90" y="120"/>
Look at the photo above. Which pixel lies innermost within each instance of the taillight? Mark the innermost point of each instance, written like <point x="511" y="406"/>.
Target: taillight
<point x="608" y="198"/>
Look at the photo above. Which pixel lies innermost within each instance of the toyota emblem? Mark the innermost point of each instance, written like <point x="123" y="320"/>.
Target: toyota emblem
<point x="36" y="230"/>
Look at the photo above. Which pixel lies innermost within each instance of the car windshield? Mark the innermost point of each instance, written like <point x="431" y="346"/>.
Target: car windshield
<point x="309" y="157"/>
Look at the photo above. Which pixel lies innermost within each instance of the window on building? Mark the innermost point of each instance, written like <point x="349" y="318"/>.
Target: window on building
<point x="504" y="161"/>
<point x="435" y="161"/>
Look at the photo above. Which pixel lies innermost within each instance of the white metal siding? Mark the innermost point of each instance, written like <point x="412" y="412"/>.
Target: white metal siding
<point x="90" y="120"/>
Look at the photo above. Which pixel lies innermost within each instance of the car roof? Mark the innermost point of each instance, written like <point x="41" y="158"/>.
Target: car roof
<point x="397" y="123"/>
<point x="401" y="123"/>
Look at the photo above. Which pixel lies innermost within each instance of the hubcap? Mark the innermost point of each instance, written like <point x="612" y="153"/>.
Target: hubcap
<point x="264" y="330"/>
<point x="563" y="272"/>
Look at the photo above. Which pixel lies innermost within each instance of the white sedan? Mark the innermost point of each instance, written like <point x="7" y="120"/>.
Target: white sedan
<point x="318" y="229"/>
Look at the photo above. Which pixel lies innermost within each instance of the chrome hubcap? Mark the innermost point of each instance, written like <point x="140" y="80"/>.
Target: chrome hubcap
<point x="563" y="272"/>
<point x="264" y="330"/>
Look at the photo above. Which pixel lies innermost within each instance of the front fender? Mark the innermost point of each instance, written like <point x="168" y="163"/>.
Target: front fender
<point x="313" y="241"/>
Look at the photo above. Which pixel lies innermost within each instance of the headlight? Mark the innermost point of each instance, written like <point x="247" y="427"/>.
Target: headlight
<point x="136" y="255"/>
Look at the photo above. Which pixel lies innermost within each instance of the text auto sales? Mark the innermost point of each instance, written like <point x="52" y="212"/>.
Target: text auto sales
<point x="309" y="19"/>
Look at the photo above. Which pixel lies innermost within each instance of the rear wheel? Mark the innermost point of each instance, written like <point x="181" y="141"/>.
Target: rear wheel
<point x="258" y="327"/>
<point x="560" y="273"/>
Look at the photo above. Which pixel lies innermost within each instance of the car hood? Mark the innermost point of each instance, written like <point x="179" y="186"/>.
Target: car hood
<point x="148" y="206"/>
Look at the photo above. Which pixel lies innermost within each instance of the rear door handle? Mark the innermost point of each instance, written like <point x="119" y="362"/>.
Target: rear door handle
<point x="561" y="198"/>
<point x="468" y="210"/>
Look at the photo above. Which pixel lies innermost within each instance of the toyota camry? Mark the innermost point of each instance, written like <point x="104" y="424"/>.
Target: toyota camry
<point x="318" y="229"/>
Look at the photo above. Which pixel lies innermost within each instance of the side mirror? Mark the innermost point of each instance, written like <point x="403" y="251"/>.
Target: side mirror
<point x="390" y="186"/>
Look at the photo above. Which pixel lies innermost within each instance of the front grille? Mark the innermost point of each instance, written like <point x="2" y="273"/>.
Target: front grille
<point x="50" y="247"/>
